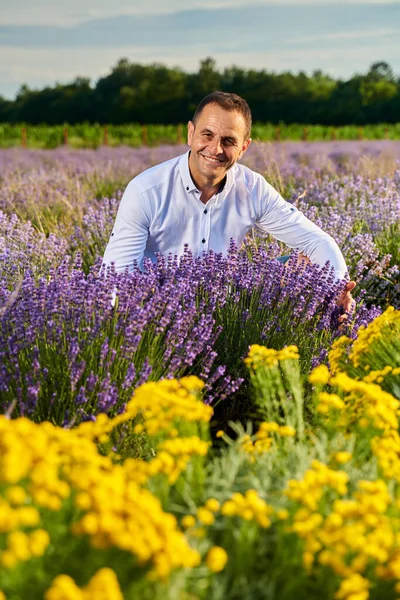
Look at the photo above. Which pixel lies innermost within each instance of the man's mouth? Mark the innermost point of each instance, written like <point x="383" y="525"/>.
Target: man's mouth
<point x="210" y="159"/>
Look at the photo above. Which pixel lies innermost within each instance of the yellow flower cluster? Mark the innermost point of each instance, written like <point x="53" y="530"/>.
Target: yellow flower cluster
<point x="354" y="587"/>
<point x="121" y="514"/>
<point x="262" y="440"/>
<point x="353" y="533"/>
<point x="42" y="465"/>
<point x="368" y="401"/>
<point x="338" y="352"/>
<point x="380" y="374"/>
<point x="259" y="356"/>
<point x="315" y="482"/>
<point x="328" y="401"/>
<point x="320" y="375"/>
<point x="386" y="448"/>
<point x="387" y="321"/>
<point x="21" y="546"/>
<point x="102" y="586"/>
<point x="163" y="403"/>
<point x="249" y="507"/>
<point x="171" y="459"/>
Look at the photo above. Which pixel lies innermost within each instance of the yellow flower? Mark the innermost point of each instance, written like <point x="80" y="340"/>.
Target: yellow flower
<point x="287" y="431"/>
<point x="18" y="544"/>
<point x="261" y="356"/>
<point x="216" y="559"/>
<point x="38" y="541"/>
<point x="205" y="516"/>
<point x="8" y="559"/>
<point x="229" y="509"/>
<point x="319" y="376"/>
<point x="219" y="433"/>
<point x="188" y="521"/>
<point x="342" y="457"/>
<point x="354" y="587"/>
<point x="269" y="426"/>
<point x="212" y="504"/>
<point x="16" y="495"/>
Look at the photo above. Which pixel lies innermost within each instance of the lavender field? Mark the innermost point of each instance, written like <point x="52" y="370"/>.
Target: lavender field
<point x="192" y="393"/>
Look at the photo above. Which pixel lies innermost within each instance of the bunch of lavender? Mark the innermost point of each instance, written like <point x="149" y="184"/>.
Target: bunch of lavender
<point x="66" y="353"/>
<point x="24" y="248"/>
<point x="91" y="237"/>
<point x="363" y="216"/>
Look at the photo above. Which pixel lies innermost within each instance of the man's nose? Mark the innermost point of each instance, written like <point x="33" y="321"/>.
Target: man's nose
<point x="216" y="146"/>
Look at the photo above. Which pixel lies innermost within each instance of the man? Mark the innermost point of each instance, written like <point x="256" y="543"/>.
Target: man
<point x="204" y="198"/>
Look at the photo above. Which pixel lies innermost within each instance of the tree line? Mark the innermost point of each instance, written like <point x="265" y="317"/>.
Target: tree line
<point x="155" y="93"/>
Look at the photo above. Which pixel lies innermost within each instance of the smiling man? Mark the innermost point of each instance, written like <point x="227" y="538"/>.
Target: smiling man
<point x="205" y="198"/>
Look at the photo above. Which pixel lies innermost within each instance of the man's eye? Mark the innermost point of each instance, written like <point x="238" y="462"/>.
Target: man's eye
<point x="207" y="135"/>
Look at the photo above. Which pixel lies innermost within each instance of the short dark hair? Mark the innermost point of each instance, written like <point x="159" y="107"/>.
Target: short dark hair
<point x="227" y="101"/>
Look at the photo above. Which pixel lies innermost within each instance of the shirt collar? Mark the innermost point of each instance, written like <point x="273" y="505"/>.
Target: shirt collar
<point x="188" y="181"/>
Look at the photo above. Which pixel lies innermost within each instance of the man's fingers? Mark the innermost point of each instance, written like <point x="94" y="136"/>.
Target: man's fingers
<point x="350" y="286"/>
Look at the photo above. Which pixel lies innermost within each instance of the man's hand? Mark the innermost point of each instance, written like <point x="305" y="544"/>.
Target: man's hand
<point x="346" y="302"/>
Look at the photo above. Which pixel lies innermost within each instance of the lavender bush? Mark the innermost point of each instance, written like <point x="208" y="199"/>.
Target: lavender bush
<point x="68" y="351"/>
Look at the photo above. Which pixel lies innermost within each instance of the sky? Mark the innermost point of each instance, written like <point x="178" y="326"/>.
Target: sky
<point x="50" y="41"/>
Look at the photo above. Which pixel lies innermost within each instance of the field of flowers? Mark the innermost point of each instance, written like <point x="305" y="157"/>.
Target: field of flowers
<point x="212" y="434"/>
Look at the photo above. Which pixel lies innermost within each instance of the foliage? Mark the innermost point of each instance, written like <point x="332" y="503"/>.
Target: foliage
<point x="158" y="94"/>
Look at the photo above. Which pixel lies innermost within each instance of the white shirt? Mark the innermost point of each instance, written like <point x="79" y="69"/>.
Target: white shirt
<point x="161" y="211"/>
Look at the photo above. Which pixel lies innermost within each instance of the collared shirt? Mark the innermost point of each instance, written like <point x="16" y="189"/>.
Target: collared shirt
<point x="161" y="211"/>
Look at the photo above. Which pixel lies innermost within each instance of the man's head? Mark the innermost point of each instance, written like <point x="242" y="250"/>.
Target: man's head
<point x="218" y="135"/>
<point x="229" y="102"/>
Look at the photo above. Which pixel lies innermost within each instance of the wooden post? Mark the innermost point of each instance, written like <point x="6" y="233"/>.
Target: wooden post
<point x="144" y="135"/>
<point x="65" y="135"/>
<point x="277" y="133"/>
<point x="333" y="133"/>
<point x="105" y="136"/>
<point x="305" y="134"/>
<point x="360" y="133"/>
<point x="179" y="134"/>
<point x="23" y="134"/>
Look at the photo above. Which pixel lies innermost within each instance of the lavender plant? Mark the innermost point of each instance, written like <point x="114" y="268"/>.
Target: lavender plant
<point x="67" y="352"/>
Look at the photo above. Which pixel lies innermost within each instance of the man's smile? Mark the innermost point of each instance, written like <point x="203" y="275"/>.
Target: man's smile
<point x="211" y="159"/>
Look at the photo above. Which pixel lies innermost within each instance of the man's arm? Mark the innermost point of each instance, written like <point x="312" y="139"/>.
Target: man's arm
<point x="287" y="224"/>
<point x="283" y="221"/>
<point x="130" y="232"/>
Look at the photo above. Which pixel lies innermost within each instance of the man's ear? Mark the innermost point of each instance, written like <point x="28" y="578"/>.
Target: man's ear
<point x="245" y="145"/>
<point x="190" y="133"/>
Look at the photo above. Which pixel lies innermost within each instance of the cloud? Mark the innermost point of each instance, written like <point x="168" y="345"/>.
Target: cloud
<point x="254" y="25"/>
<point x="73" y="12"/>
<point x="339" y="39"/>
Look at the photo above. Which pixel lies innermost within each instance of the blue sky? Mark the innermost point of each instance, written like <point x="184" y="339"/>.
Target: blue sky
<point x="49" y="41"/>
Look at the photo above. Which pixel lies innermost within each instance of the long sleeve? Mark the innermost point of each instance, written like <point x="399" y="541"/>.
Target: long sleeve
<point x="287" y="224"/>
<point x="130" y="232"/>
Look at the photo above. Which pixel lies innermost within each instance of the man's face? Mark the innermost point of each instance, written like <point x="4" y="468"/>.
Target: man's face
<point x="217" y="141"/>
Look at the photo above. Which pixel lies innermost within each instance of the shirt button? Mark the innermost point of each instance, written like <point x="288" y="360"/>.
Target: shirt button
<point x="187" y="189"/>
<point x="203" y="241"/>
<point x="205" y="212"/>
